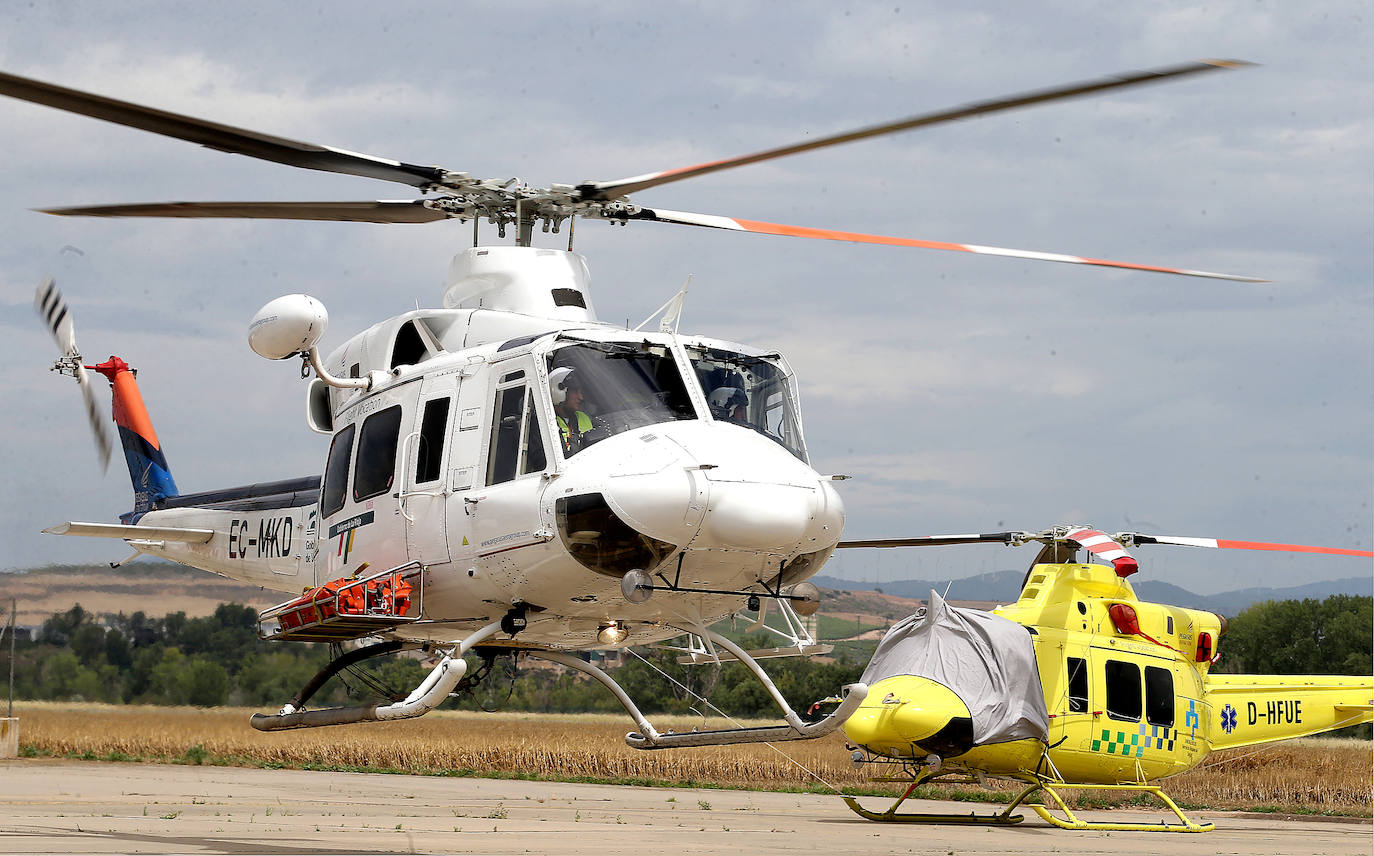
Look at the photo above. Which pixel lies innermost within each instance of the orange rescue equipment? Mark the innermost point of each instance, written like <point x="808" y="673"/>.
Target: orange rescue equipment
<point x="388" y="596"/>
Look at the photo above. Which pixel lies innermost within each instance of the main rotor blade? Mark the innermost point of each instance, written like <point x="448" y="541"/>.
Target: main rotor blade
<point x="712" y="221"/>
<point x="938" y="540"/>
<point x="603" y="190"/>
<point x="1217" y="543"/>
<point x="380" y="211"/>
<point x="214" y="135"/>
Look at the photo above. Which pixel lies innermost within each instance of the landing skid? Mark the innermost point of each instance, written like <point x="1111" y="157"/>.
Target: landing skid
<point x="445" y="678"/>
<point x="1032" y="785"/>
<point x="1070" y="821"/>
<point x="1005" y="818"/>
<point x="428" y="695"/>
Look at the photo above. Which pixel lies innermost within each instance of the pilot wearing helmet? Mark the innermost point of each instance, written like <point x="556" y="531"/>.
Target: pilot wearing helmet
<point x="565" y="388"/>
<point x="729" y="404"/>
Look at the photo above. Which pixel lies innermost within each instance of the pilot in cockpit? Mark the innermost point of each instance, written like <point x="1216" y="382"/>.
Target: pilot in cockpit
<point x="565" y="388"/>
<point x="729" y="404"/>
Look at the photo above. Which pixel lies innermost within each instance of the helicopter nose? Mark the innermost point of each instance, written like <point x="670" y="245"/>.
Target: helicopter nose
<point x="760" y="515"/>
<point x="742" y="491"/>
<point x="764" y="499"/>
<point x="908" y="716"/>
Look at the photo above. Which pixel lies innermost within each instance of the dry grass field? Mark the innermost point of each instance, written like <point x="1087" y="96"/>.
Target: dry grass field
<point x="1303" y="776"/>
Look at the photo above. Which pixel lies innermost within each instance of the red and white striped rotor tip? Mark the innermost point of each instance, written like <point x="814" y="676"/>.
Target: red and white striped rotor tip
<point x="1102" y="545"/>
<point x="1223" y="544"/>
<point x="758" y="227"/>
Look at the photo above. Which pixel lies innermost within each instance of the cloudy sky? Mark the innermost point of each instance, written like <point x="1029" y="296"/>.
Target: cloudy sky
<point x="963" y="393"/>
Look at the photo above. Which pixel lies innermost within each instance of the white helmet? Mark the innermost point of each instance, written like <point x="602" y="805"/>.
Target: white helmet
<point x="559" y="382"/>
<point x="724" y="399"/>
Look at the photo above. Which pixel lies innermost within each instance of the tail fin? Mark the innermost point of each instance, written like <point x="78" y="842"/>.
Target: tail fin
<point x="148" y="470"/>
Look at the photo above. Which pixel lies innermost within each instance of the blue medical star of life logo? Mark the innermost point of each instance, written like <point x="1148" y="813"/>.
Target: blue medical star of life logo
<point x="1228" y="719"/>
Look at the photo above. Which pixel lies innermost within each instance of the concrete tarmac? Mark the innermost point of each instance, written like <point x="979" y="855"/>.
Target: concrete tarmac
<point x="53" y="806"/>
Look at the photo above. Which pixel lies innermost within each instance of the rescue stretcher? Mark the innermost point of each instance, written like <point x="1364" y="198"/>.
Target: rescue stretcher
<point x="348" y="608"/>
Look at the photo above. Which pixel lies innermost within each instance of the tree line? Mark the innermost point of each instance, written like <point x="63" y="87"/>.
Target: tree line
<point x="219" y="660"/>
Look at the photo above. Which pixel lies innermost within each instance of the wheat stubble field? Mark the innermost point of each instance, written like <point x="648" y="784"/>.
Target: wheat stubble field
<point x="1317" y="776"/>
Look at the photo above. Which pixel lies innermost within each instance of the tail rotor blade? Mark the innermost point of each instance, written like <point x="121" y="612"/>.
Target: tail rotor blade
<point x="100" y="430"/>
<point x="52" y="308"/>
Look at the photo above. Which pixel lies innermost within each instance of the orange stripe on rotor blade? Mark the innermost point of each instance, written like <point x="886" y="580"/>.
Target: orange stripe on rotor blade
<point x="832" y="235"/>
<point x="1128" y="265"/>
<point x="1004" y="252"/>
<point x="1291" y="548"/>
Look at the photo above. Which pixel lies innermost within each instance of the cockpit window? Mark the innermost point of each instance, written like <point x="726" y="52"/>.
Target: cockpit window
<point x="601" y="389"/>
<point x="752" y="392"/>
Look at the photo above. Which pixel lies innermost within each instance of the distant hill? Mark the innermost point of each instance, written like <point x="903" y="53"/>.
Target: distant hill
<point x="1232" y="602"/>
<point x="1005" y="587"/>
<point x="997" y="587"/>
<point x="151" y="586"/>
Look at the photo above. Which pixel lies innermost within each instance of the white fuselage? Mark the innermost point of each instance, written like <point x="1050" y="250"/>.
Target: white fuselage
<point x="459" y="460"/>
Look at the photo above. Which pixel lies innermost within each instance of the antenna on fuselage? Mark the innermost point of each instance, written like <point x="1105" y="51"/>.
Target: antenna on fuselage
<point x="670" y="313"/>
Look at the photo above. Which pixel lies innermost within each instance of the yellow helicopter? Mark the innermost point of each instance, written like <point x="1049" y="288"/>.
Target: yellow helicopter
<point x="1078" y="684"/>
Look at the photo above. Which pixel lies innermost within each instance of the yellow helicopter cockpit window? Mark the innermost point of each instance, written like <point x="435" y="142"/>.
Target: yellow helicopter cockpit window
<point x="752" y="392"/>
<point x="600" y="389"/>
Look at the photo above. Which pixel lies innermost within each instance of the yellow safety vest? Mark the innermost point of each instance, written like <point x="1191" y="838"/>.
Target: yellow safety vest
<point x="584" y="424"/>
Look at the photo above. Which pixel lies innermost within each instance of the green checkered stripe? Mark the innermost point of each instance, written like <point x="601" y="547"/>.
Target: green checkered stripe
<point x="1123" y="744"/>
<point x="1134" y="745"/>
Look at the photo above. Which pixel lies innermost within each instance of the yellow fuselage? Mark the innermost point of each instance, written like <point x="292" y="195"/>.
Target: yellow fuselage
<point x="1123" y="707"/>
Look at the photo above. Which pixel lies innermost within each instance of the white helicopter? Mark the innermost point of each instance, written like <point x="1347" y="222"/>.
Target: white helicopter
<point x="507" y="472"/>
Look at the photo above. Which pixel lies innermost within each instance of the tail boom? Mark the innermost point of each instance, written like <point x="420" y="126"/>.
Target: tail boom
<point x="1250" y="709"/>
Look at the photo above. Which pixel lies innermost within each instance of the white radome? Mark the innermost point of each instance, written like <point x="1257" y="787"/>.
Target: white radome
<point x="290" y="325"/>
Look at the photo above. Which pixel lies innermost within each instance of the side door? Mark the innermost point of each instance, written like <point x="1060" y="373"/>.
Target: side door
<point x="1071" y="724"/>
<point x="505" y="514"/>
<point x="425" y="457"/>
<point x="359" y="502"/>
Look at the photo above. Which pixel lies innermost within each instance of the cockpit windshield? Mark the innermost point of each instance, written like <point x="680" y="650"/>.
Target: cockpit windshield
<point x="753" y="392"/>
<point x="601" y="389"/>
